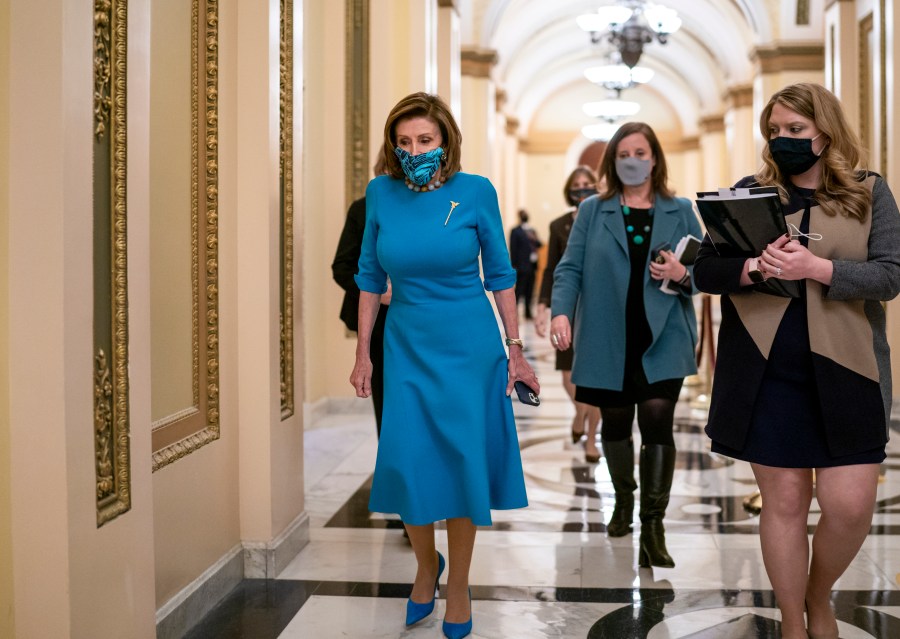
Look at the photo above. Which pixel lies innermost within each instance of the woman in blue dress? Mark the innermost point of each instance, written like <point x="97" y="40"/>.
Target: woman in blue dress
<point x="448" y="447"/>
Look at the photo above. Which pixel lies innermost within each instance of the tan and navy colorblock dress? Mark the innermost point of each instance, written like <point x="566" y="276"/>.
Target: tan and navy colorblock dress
<point x="806" y="382"/>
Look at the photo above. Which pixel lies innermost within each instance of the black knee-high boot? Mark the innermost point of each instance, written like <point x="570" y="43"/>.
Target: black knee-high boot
<point x="620" y="461"/>
<point x="657" y="465"/>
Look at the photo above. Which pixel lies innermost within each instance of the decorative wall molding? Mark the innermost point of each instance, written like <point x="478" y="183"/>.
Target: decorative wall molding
<point x="477" y="62"/>
<point x="356" y="83"/>
<point x="739" y="97"/>
<point x="175" y="438"/>
<point x="712" y="124"/>
<point x="802" y="17"/>
<point x="787" y="56"/>
<point x="546" y="142"/>
<point x="512" y="125"/>
<point x="691" y="143"/>
<point x="112" y="449"/>
<point x="500" y="98"/>
<point x="287" y="208"/>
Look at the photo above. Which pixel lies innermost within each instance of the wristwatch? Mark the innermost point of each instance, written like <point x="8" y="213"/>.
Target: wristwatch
<point x="756" y="275"/>
<point x="514" y="341"/>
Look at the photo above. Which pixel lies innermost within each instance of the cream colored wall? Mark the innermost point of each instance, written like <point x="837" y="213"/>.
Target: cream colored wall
<point x="329" y="352"/>
<point x="7" y="620"/>
<point x="545" y="175"/>
<point x="59" y="553"/>
<point x="195" y="499"/>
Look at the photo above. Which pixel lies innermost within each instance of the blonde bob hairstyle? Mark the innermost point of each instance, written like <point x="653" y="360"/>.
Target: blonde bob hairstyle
<point x="659" y="178"/>
<point x="842" y="188"/>
<point x="432" y="107"/>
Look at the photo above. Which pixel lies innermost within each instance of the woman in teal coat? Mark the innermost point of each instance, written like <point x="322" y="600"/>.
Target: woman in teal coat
<point x="634" y="342"/>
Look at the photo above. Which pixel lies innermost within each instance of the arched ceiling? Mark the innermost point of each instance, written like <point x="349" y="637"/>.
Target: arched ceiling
<point x="542" y="55"/>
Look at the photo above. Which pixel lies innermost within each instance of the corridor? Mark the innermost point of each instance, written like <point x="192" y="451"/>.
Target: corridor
<point x="550" y="570"/>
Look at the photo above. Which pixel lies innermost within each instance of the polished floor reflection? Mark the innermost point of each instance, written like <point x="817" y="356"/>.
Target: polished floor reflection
<point x="550" y="570"/>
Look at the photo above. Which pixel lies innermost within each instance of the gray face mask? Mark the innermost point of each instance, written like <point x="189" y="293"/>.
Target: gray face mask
<point x="633" y="171"/>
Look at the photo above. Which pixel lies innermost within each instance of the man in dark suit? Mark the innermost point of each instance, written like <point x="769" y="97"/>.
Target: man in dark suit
<point x="523" y="248"/>
<point x="343" y="268"/>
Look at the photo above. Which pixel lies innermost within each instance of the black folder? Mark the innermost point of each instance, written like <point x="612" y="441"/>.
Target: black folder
<point x="740" y="222"/>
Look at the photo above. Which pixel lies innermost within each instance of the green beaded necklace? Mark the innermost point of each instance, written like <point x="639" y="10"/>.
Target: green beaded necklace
<point x="637" y="238"/>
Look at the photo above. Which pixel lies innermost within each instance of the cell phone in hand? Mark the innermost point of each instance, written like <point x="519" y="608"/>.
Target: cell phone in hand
<point x="526" y="394"/>
<point x="655" y="252"/>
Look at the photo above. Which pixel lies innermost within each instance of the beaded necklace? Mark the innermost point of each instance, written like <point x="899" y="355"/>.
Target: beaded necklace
<point x="640" y="235"/>
<point x="431" y="186"/>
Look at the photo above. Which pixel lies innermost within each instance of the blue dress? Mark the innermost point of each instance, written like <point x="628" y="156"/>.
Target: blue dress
<point x="448" y="444"/>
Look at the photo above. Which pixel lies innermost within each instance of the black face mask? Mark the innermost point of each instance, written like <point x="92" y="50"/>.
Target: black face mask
<point x="579" y="195"/>
<point x="793" y="155"/>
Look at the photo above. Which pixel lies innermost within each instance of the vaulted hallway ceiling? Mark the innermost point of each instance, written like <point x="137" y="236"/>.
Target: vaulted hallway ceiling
<point x="542" y="55"/>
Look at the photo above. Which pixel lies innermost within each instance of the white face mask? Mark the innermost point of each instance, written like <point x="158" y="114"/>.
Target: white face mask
<point x="633" y="171"/>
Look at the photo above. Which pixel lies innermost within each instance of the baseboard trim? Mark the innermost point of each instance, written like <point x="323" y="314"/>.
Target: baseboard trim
<point x="180" y="613"/>
<point x="249" y="560"/>
<point x="267" y="560"/>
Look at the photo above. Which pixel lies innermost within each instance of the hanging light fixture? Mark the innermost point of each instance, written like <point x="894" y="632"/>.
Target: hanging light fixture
<point x="611" y="109"/>
<point x="601" y="131"/>
<point x="629" y="25"/>
<point x="618" y="77"/>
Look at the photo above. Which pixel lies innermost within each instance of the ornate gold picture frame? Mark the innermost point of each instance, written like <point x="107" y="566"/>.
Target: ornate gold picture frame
<point x="112" y="450"/>
<point x="186" y="431"/>
<point x="357" y="87"/>
<point x="287" y="208"/>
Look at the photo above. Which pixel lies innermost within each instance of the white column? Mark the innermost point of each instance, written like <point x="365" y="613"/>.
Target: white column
<point x="740" y="126"/>
<point x="478" y="122"/>
<point x="448" y="63"/>
<point x="713" y="151"/>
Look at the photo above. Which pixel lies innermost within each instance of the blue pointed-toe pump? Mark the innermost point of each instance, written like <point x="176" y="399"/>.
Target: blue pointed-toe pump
<point x="459" y="630"/>
<point x="415" y="612"/>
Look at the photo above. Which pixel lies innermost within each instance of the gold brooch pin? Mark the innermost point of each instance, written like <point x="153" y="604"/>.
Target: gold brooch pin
<point x="453" y="205"/>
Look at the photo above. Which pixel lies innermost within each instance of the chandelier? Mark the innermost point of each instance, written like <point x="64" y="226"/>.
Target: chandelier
<point x="629" y="25"/>
<point x="611" y="109"/>
<point x="601" y="131"/>
<point x="618" y="77"/>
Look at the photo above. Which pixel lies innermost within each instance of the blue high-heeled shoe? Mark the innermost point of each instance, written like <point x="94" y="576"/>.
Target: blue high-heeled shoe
<point x="415" y="612"/>
<point x="459" y="630"/>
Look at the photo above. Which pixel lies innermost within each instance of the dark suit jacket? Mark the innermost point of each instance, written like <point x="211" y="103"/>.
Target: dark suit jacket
<point x="556" y="246"/>
<point x="346" y="261"/>
<point x="521" y="245"/>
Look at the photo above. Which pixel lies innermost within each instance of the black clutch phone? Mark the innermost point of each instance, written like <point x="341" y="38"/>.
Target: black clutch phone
<point x="526" y="394"/>
<point x="654" y="252"/>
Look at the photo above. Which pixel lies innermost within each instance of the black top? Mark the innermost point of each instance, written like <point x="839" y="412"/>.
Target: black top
<point x="638" y="336"/>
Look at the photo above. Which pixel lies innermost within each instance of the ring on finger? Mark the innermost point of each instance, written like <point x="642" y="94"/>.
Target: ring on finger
<point x="778" y="271"/>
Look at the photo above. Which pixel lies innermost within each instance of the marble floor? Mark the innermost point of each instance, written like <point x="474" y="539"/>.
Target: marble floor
<point x="550" y="570"/>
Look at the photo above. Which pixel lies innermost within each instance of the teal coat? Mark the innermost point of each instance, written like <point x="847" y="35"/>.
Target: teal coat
<point x="590" y="286"/>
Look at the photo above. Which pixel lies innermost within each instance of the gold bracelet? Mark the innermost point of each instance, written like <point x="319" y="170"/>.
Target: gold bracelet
<point x="514" y="341"/>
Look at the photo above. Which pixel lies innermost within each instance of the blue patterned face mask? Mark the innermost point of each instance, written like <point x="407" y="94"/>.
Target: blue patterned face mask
<point x="419" y="168"/>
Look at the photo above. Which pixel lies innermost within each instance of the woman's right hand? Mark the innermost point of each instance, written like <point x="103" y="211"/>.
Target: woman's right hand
<point x="541" y="319"/>
<point x="560" y="332"/>
<point x="361" y="377"/>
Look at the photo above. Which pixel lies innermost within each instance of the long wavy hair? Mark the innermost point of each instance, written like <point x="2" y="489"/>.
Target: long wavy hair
<point x="842" y="189"/>
<point x="659" y="178"/>
<point x="428" y="106"/>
